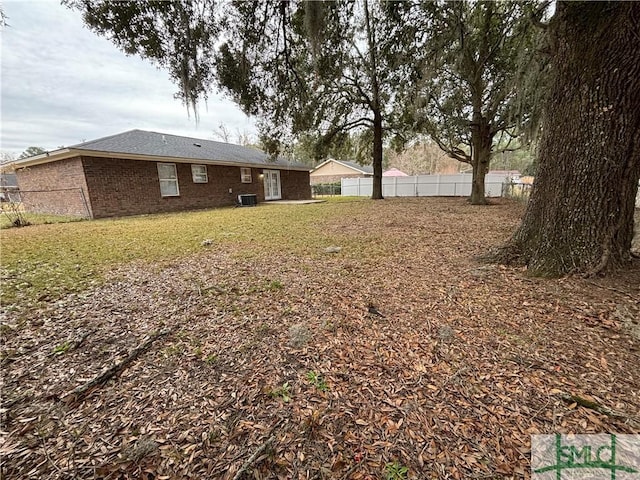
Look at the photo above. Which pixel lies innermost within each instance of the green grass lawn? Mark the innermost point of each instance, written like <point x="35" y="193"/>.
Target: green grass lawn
<point x="354" y="360"/>
<point x="46" y="261"/>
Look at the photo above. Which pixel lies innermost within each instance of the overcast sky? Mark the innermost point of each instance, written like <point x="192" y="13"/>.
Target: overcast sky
<point x="62" y="84"/>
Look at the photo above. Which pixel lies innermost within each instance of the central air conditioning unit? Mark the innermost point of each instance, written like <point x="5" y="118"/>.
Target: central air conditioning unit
<point x="248" y="200"/>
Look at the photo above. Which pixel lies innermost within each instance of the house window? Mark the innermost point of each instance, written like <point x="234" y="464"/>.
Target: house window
<point x="245" y="175"/>
<point x="168" y="176"/>
<point x="199" y="173"/>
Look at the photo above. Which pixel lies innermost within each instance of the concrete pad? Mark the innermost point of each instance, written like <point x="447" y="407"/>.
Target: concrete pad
<point x="294" y="202"/>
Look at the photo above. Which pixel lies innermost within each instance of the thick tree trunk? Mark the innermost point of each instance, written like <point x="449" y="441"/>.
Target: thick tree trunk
<point x="377" y="156"/>
<point x="376" y="193"/>
<point x="481" y="140"/>
<point x="580" y="215"/>
<point x="477" y="184"/>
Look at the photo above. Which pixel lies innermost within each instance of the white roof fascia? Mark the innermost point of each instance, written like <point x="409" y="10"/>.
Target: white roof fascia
<point x="71" y="152"/>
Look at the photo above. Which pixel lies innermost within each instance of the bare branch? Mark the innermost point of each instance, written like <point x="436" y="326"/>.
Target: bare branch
<point x="535" y="16"/>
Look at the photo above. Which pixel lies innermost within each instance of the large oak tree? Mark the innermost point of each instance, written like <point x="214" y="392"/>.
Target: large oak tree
<point x="300" y="67"/>
<point x="467" y="97"/>
<point x="321" y="68"/>
<point x="580" y="215"/>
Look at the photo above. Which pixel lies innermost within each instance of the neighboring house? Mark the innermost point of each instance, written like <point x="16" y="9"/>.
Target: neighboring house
<point x="527" y="180"/>
<point x="139" y="172"/>
<point x="394" y="172"/>
<point x="332" y="171"/>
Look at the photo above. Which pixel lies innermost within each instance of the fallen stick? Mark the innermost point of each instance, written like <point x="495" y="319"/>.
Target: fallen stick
<point x="353" y="468"/>
<point x="72" y="344"/>
<point x="253" y="457"/>
<point x="116" y="368"/>
<point x="621" y="292"/>
<point x="11" y="403"/>
<point x="583" y="402"/>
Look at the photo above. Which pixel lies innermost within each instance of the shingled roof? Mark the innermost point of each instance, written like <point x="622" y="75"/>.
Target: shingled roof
<point x="366" y="169"/>
<point x="144" y="145"/>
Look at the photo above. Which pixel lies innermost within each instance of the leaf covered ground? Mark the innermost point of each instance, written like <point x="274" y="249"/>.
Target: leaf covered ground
<point x="398" y="355"/>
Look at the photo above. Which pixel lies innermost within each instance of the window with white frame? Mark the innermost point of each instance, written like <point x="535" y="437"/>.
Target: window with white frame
<point x="168" y="176"/>
<point x="199" y="173"/>
<point x="245" y="175"/>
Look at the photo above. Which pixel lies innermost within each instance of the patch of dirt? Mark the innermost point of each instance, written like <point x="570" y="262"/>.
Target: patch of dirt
<point x="427" y="358"/>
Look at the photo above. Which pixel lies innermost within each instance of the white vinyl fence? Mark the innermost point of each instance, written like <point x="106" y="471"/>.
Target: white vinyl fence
<point x="454" y="185"/>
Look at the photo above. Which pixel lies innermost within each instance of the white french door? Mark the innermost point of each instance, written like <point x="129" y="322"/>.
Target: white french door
<point x="272" y="187"/>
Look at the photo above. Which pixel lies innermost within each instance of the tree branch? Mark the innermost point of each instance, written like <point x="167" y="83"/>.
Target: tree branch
<point x="116" y="368"/>
<point x="253" y="457"/>
<point x="535" y="16"/>
<point x="283" y="13"/>
<point x="354" y="83"/>
<point x="454" y="152"/>
<point x="361" y="122"/>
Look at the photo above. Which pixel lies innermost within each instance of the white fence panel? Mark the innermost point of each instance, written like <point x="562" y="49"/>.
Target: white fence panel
<point x="356" y="187"/>
<point x="405" y="186"/>
<point x="493" y="184"/>
<point x="453" y="185"/>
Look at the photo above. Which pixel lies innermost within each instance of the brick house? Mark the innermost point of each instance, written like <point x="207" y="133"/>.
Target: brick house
<point x="332" y="171"/>
<point x="138" y="172"/>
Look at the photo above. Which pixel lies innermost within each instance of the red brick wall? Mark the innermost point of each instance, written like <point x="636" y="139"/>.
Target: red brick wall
<point x="117" y="187"/>
<point x="58" y="188"/>
<point x="129" y="187"/>
<point x="295" y="185"/>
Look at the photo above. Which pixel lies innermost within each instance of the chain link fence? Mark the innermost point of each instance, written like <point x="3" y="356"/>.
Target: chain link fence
<point x="71" y="202"/>
<point x="326" y="189"/>
<point x="518" y="191"/>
